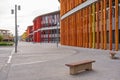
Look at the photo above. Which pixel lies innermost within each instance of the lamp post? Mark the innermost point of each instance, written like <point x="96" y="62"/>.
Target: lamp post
<point x="14" y="11"/>
<point x="57" y="30"/>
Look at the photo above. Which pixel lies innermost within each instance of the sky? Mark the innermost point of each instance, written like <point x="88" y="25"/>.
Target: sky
<point x="29" y="10"/>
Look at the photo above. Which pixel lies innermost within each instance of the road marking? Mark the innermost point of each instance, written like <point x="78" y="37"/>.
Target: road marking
<point x="28" y="63"/>
<point x="10" y="57"/>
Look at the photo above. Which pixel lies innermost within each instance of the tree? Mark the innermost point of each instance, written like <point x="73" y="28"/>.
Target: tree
<point x="24" y="36"/>
<point x="1" y="37"/>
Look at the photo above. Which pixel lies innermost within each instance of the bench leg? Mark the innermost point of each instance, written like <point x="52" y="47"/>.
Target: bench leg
<point x="89" y="67"/>
<point x="73" y="70"/>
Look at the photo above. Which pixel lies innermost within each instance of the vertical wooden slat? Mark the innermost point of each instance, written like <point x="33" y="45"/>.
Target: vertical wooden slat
<point x="105" y="33"/>
<point x="83" y="28"/>
<point x="71" y="27"/>
<point x="74" y="30"/>
<point x="65" y="34"/>
<point x="81" y="25"/>
<point x="81" y="17"/>
<point x="93" y="24"/>
<point x="90" y="27"/>
<point x="77" y="28"/>
<point x="78" y="22"/>
<point x="61" y="31"/>
<point x="85" y="14"/>
<point x="70" y="7"/>
<point x="110" y="24"/>
<point x="101" y="24"/>
<point x="66" y="31"/>
<point x="80" y="30"/>
<point x="97" y="24"/>
<point x="65" y="6"/>
<point x="71" y="30"/>
<point x="116" y="26"/>
<point x="87" y="19"/>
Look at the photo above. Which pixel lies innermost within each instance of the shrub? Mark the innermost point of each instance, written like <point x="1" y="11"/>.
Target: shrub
<point x="1" y="37"/>
<point x="6" y="43"/>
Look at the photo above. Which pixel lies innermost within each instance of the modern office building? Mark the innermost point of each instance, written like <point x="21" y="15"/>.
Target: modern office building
<point x="45" y="28"/>
<point x="90" y="23"/>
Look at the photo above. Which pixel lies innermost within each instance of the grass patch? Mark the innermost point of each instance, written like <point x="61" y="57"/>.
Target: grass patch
<point x="6" y="43"/>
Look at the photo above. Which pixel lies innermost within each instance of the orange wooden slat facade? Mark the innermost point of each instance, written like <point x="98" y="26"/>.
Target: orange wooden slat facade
<point x="92" y="26"/>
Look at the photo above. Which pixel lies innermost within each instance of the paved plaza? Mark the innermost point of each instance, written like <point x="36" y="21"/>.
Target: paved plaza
<point x="44" y="61"/>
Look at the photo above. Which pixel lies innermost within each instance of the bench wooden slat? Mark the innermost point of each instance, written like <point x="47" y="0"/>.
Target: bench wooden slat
<point x="80" y="63"/>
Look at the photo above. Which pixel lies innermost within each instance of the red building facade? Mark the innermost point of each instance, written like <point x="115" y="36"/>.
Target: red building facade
<point x="45" y="28"/>
<point x="50" y="23"/>
<point x="29" y="33"/>
<point x="36" y="27"/>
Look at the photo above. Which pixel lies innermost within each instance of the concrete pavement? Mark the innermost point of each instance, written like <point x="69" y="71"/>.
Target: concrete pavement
<point x="5" y="52"/>
<point x="43" y="61"/>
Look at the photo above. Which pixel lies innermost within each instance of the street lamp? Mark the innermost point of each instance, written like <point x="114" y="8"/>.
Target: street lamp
<point x="57" y="30"/>
<point x="14" y="11"/>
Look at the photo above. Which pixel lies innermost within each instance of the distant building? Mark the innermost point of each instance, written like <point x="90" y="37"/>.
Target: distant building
<point x="45" y="28"/>
<point x="29" y="32"/>
<point x="7" y="36"/>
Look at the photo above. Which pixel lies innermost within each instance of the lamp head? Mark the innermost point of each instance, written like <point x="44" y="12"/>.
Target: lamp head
<point x="19" y="7"/>
<point x="12" y="11"/>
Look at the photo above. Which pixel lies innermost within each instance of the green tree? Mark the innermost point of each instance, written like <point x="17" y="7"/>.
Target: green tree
<point x="1" y="37"/>
<point x="24" y="36"/>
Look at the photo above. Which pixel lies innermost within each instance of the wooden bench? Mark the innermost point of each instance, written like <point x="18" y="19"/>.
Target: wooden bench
<point x="76" y="67"/>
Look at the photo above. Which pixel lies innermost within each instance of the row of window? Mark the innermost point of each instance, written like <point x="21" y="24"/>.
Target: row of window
<point x="50" y="39"/>
<point x="50" y="20"/>
<point x="54" y="31"/>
